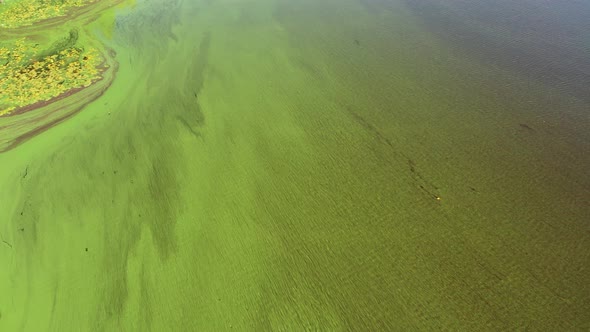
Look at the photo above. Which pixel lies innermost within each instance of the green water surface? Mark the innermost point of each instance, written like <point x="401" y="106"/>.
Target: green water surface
<point x="333" y="165"/>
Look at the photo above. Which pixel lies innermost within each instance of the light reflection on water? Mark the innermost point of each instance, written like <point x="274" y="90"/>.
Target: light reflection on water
<point x="544" y="40"/>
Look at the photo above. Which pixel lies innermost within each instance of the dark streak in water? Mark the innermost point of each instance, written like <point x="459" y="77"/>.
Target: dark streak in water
<point x="191" y="115"/>
<point x="424" y="184"/>
<point x="6" y="242"/>
<point x="370" y="127"/>
<point x="188" y="126"/>
<point x="525" y="126"/>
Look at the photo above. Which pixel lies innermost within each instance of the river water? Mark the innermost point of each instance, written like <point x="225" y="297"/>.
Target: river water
<point x="313" y="165"/>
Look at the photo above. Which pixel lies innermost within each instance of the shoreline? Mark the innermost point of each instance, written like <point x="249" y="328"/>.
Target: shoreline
<point x="36" y="124"/>
<point x="25" y="122"/>
<point x="103" y="67"/>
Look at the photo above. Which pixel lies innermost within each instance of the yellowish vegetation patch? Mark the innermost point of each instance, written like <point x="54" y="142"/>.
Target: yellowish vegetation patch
<point x="26" y="78"/>
<point x="17" y="13"/>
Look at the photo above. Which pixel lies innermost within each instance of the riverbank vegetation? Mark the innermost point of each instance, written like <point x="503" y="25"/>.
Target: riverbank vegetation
<point x="29" y="75"/>
<point x="18" y="13"/>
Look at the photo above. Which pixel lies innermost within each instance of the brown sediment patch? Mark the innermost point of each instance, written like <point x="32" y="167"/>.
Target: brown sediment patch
<point x="41" y="103"/>
<point x="31" y="120"/>
<point x="20" y="139"/>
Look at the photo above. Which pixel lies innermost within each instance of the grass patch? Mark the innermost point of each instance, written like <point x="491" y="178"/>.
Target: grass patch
<point x="18" y="13"/>
<point x="29" y="74"/>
